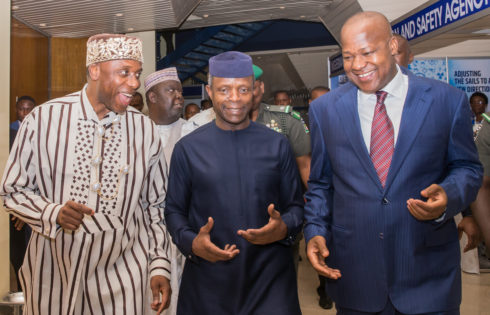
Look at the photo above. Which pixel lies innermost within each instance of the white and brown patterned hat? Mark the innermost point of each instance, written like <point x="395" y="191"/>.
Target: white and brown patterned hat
<point x="106" y="47"/>
<point x="167" y="74"/>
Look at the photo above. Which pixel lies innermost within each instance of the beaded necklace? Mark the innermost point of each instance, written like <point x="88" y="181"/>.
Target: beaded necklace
<point x="97" y="160"/>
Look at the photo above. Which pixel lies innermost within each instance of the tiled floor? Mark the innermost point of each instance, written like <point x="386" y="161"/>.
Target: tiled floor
<point x="476" y="292"/>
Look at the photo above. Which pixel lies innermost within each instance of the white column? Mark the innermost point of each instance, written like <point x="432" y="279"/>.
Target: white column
<point x="4" y="138"/>
<point x="149" y="55"/>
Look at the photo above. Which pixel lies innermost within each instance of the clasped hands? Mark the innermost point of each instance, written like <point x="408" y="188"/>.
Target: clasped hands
<point x="273" y="231"/>
<point x="431" y="209"/>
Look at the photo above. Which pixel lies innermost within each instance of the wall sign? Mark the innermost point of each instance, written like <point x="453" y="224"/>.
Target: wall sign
<point x="437" y="15"/>
<point x="470" y="75"/>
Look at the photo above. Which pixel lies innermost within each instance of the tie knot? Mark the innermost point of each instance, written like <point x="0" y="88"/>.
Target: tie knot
<point x="381" y="96"/>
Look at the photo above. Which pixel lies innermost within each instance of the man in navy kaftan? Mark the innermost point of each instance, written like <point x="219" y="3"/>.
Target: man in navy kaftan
<point x="234" y="206"/>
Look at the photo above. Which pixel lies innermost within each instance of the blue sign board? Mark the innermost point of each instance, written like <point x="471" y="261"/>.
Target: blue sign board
<point x="336" y="65"/>
<point x="470" y="75"/>
<point x="437" y="15"/>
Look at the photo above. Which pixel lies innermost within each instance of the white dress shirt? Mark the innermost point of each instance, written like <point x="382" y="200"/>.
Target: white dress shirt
<point x="397" y="90"/>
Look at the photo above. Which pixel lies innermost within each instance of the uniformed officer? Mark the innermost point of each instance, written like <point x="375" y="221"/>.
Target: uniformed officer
<point x="481" y="206"/>
<point x="286" y="121"/>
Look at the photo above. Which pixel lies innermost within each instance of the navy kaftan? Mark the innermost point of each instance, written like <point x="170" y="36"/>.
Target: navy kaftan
<point x="233" y="176"/>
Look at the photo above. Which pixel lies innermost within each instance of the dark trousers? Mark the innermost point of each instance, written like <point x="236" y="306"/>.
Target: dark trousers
<point x="390" y="310"/>
<point x="18" y="246"/>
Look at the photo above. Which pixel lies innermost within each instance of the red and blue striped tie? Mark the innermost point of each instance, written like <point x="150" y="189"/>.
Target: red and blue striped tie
<point x="382" y="138"/>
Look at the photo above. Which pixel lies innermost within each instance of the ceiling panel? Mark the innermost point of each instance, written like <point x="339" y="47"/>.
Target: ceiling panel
<point x="476" y="35"/>
<point x="217" y="12"/>
<point x="81" y="18"/>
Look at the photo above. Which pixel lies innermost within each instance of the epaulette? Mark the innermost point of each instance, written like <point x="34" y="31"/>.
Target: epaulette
<point x="280" y="108"/>
<point x="486" y="116"/>
<point x="296" y="115"/>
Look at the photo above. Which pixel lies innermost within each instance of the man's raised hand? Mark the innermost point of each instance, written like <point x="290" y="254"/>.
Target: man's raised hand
<point x="275" y="230"/>
<point x="204" y="248"/>
<point x="71" y="215"/>
<point x="317" y="251"/>
<point x="431" y="209"/>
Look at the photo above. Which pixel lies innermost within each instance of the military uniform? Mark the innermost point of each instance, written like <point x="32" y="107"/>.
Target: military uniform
<point x="288" y="122"/>
<point x="483" y="144"/>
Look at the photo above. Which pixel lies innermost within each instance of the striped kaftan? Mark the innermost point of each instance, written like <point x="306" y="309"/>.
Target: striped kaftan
<point x="104" y="267"/>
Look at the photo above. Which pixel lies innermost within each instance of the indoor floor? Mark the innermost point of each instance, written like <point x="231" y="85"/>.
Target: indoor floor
<point x="476" y="292"/>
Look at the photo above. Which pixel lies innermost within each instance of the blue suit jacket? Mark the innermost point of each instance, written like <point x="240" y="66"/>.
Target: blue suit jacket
<point x="380" y="248"/>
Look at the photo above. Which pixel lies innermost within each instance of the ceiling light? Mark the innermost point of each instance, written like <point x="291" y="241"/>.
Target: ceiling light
<point x="282" y="8"/>
<point x="119" y="14"/>
<point x="15" y="7"/>
<point x="303" y="16"/>
<point x="483" y="31"/>
<point x="205" y="16"/>
<point x="130" y="29"/>
<point x="42" y="24"/>
<point x="193" y="17"/>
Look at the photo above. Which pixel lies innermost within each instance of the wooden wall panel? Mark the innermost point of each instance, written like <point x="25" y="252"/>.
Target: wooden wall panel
<point x="68" y="72"/>
<point x="28" y="65"/>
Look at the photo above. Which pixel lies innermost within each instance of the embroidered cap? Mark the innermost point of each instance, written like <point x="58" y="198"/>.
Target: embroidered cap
<point x="231" y="64"/>
<point x="167" y="74"/>
<point x="106" y="47"/>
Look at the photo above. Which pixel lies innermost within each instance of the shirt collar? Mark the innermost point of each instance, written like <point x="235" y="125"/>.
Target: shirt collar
<point x="169" y="126"/>
<point x="88" y="111"/>
<point x="392" y="88"/>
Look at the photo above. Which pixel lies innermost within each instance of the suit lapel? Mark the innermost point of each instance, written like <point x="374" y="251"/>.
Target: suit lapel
<point x="349" y="117"/>
<point x="417" y="104"/>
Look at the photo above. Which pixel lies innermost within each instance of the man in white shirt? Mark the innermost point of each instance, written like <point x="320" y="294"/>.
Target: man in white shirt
<point x="165" y="104"/>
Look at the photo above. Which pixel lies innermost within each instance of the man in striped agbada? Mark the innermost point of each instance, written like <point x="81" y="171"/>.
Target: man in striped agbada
<point x="88" y="174"/>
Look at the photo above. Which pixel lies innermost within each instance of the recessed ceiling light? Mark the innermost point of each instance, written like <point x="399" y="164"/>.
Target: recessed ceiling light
<point x="205" y="16"/>
<point x="119" y="14"/>
<point x="42" y="24"/>
<point x="483" y="31"/>
<point x="282" y="8"/>
<point x="15" y="7"/>
<point x="130" y="29"/>
<point x="303" y="16"/>
<point x="193" y="17"/>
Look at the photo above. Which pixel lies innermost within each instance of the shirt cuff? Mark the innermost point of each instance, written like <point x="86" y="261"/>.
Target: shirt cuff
<point x="292" y="227"/>
<point x="186" y="248"/>
<point x="48" y="220"/>
<point x="442" y="217"/>
<point x="312" y="230"/>
<point x="160" y="267"/>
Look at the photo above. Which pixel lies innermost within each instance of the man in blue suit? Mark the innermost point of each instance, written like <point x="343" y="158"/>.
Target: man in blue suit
<point x="392" y="162"/>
